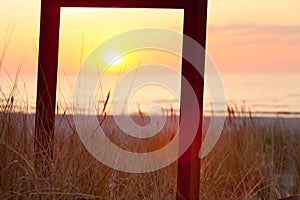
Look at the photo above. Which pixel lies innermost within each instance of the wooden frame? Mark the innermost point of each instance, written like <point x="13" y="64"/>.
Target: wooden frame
<point x="195" y="12"/>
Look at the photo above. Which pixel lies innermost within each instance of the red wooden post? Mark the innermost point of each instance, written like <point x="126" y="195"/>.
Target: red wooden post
<point x="46" y="86"/>
<point x="195" y="13"/>
<point x="194" y="26"/>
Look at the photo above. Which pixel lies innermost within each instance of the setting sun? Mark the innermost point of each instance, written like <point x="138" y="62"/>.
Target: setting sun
<point x="112" y="58"/>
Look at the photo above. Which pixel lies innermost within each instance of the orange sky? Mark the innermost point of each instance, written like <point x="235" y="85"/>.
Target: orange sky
<point x="243" y="35"/>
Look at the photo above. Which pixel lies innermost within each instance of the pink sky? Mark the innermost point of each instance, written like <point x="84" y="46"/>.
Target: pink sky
<point x="243" y="35"/>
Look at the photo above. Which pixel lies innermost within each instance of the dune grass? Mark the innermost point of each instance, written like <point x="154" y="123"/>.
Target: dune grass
<point x="250" y="161"/>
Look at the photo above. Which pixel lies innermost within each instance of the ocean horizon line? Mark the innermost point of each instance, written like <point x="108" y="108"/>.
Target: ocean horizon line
<point x="176" y="113"/>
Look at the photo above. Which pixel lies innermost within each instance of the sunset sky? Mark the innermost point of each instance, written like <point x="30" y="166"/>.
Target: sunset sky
<point x="243" y="35"/>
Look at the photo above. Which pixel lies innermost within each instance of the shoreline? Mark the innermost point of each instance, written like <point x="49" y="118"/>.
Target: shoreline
<point x="63" y="121"/>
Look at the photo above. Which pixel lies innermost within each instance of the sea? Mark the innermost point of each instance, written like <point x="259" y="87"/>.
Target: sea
<point x="261" y="94"/>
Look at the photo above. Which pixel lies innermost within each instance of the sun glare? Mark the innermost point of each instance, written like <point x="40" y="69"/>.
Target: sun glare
<point x="112" y="58"/>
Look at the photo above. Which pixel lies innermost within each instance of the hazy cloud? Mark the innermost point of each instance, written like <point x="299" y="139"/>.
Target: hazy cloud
<point x="258" y="33"/>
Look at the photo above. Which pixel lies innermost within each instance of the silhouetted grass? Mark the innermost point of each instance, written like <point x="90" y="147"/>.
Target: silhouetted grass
<point x="250" y="161"/>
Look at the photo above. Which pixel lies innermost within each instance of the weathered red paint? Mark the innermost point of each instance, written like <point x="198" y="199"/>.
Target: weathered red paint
<point x="195" y="12"/>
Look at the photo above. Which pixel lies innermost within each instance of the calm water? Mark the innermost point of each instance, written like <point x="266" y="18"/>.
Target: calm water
<point x="265" y="94"/>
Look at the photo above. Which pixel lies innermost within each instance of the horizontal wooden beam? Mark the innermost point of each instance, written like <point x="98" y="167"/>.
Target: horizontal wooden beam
<point x="124" y="3"/>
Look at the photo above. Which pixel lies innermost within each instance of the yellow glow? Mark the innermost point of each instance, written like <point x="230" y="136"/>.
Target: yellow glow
<point x="230" y="47"/>
<point x="84" y="29"/>
<point x="112" y="58"/>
